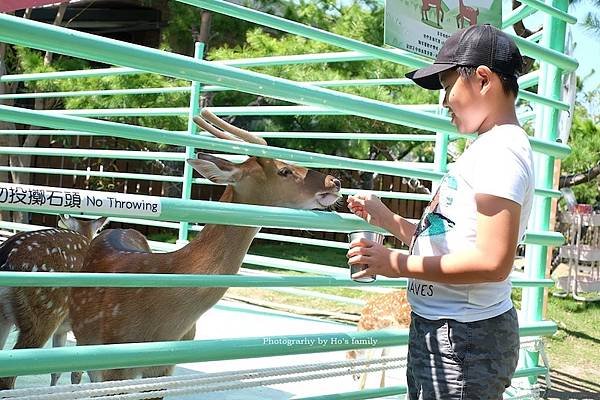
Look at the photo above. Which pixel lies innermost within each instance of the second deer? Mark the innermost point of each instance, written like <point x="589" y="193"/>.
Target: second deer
<point x="39" y="312"/>
<point x="390" y="310"/>
<point x="116" y="315"/>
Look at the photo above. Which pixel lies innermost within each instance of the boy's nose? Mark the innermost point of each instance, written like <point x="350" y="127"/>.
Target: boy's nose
<point x="445" y="101"/>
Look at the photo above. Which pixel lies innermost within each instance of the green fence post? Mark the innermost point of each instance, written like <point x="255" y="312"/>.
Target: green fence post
<point x="186" y="190"/>
<point x="546" y="127"/>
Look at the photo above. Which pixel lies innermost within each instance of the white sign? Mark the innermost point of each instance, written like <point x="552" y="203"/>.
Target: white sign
<point x="422" y="26"/>
<point x="73" y="201"/>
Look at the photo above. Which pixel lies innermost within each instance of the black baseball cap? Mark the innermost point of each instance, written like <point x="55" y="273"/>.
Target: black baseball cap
<point x="471" y="47"/>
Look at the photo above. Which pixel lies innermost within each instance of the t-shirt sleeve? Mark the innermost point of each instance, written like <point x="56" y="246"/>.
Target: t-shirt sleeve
<point x="501" y="171"/>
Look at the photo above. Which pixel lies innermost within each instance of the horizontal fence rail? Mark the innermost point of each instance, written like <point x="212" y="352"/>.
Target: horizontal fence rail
<point x="124" y="280"/>
<point x="555" y="12"/>
<point x="528" y="48"/>
<point x="516" y="15"/>
<point x="77" y="358"/>
<point x="106" y="128"/>
<point x="525" y="81"/>
<point x="554" y="149"/>
<point x="64" y="41"/>
<point x="243" y="110"/>
<point x="403" y="389"/>
<point x="211" y="212"/>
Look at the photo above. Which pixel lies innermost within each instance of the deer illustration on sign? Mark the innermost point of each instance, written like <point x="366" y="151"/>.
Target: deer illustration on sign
<point x="120" y="315"/>
<point x="439" y="10"/>
<point x="39" y="312"/>
<point x="466" y="13"/>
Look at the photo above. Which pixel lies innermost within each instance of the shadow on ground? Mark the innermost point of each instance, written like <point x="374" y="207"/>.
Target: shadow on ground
<point x="569" y="387"/>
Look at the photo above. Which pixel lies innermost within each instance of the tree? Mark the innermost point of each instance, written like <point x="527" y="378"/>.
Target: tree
<point x="232" y="38"/>
<point x="592" y="20"/>
<point x="361" y="21"/>
<point x="581" y="169"/>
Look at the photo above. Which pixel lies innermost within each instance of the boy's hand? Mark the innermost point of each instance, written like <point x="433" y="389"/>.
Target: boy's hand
<point x="370" y="208"/>
<point x="380" y="259"/>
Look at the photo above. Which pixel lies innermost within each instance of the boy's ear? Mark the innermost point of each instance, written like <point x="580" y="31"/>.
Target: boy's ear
<point x="216" y="169"/>
<point x="484" y="78"/>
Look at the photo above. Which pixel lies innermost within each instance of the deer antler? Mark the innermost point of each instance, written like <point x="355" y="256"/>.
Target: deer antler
<point x="227" y="131"/>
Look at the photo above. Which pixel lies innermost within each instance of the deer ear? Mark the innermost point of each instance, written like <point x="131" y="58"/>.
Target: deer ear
<point x="65" y="221"/>
<point x="216" y="169"/>
<point x="98" y="224"/>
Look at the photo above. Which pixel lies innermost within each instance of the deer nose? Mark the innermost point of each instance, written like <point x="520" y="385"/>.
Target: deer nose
<point x="335" y="182"/>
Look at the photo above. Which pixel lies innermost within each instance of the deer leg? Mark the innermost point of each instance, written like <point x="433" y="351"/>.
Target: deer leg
<point x="190" y="334"/>
<point x="32" y="334"/>
<point x="118" y="374"/>
<point x="363" y="376"/>
<point x="155" y="372"/>
<point x="5" y="327"/>
<point x="76" y="377"/>
<point x="59" y="339"/>
<point x="167" y="370"/>
<point x="382" y="381"/>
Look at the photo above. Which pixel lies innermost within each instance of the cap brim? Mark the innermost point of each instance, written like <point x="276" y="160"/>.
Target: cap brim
<point x="428" y="77"/>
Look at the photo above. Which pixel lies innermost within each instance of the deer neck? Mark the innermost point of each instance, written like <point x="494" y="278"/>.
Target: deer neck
<point x="218" y="249"/>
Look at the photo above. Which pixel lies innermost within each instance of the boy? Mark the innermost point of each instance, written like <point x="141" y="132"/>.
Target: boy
<point x="464" y="340"/>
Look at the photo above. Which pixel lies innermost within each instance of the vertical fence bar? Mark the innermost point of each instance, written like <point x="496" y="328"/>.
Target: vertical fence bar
<point x="546" y="127"/>
<point x="186" y="190"/>
<point x="440" y="157"/>
<point x="440" y="150"/>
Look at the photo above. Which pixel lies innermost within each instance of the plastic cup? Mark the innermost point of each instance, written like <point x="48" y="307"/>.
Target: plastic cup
<point x="373" y="236"/>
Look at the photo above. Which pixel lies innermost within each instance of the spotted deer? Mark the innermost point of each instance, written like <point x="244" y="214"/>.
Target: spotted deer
<point x="39" y="312"/>
<point x="390" y="310"/>
<point x="466" y="13"/>
<point x="118" y="315"/>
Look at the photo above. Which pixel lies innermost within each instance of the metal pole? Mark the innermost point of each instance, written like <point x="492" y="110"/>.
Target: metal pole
<point x="186" y="190"/>
<point x="546" y="128"/>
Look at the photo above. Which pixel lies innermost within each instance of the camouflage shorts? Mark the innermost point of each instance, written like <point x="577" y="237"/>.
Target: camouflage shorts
<point x="450" y="360"/>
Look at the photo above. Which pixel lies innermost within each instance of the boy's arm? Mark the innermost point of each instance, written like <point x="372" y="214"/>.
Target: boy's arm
<point x="490" y="261"/>
<point x="400" y="227"/>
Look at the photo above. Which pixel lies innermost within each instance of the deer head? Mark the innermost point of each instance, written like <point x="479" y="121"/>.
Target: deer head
<point x="84" y="227"/>
<point x="263" y="181"/>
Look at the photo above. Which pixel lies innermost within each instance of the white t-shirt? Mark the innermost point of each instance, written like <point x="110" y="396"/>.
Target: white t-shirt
<point x="499" y="162"/>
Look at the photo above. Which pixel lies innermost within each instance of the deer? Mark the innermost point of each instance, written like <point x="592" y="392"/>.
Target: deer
<point x="118" y="315"/>
<point x="466" y="13"/>
<point x="389" y="310"/>
<point x="439" y="11"/>
<point x="39" y="312"/>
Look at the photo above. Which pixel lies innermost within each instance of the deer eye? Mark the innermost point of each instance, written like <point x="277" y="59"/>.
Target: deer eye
<point x="285" y="171"/>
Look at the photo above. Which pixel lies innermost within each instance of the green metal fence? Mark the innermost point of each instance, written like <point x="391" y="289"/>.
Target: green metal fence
<point x="312" y="98"/>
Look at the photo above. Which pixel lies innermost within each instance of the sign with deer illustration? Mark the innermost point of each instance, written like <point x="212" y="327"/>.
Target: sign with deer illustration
<point x="422" y="26"/>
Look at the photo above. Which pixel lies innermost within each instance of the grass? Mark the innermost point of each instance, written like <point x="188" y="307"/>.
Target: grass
<point x="575" y="347"/>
